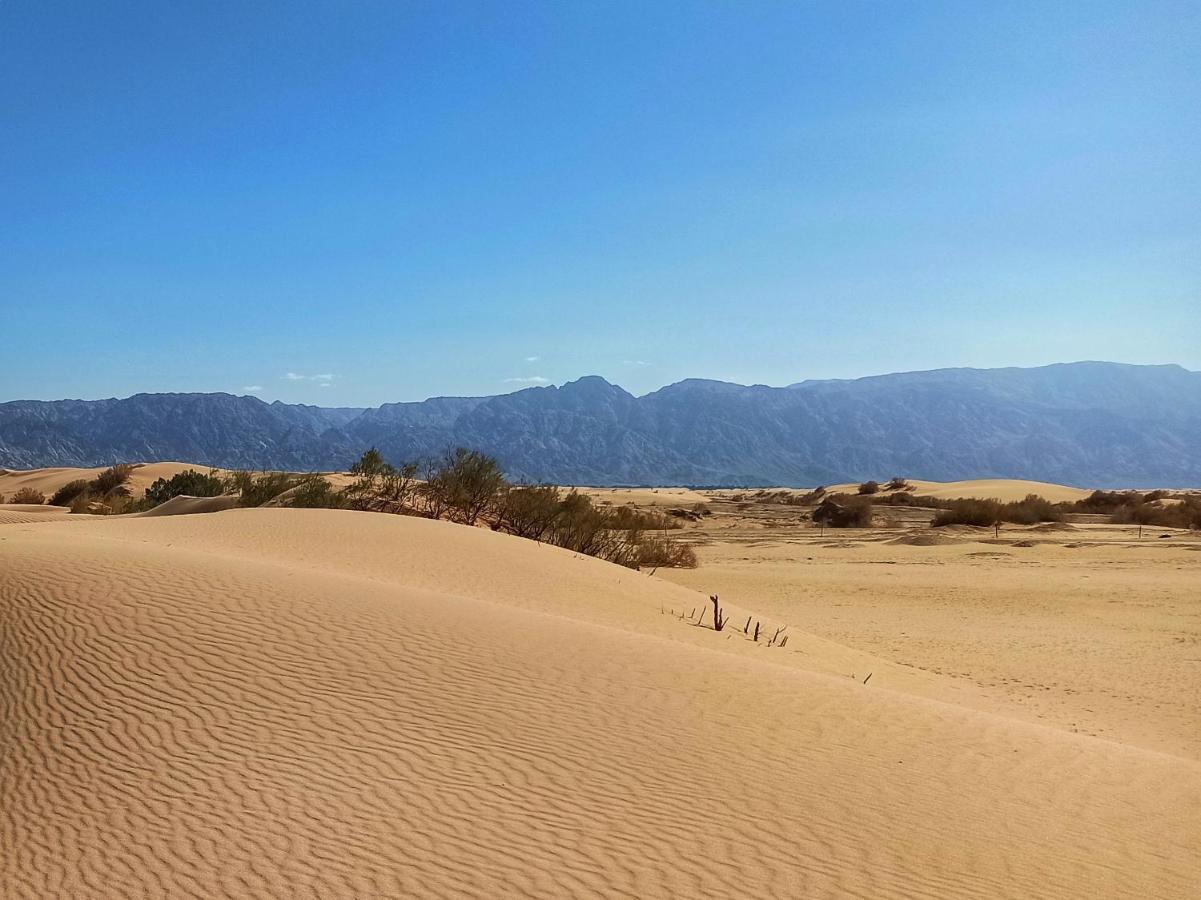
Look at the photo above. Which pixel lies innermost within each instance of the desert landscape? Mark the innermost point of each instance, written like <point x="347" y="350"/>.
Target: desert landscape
<point x="287" y="702"/>
<point x="658" y="451"/>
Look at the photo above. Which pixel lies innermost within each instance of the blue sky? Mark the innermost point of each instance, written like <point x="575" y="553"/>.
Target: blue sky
<point x="349" y="204"/>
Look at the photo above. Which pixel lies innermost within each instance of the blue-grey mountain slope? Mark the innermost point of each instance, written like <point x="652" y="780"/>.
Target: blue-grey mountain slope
<point x="1094" y="424"/>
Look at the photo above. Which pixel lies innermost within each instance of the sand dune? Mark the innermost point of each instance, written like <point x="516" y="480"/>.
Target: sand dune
<point x="291" y="703"/>
<point x="51" y="479"/>
<point x="985" y="489"/>
<point x="645" y="496"/>
<point x="26" y="513"/>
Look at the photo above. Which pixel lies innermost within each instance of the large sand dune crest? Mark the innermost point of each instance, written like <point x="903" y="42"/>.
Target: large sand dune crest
<point x="288" y="703"/>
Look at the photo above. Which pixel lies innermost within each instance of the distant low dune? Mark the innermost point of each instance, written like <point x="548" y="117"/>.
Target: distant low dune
<point x="311" y="703"/>
<point x="1004" y="489"/>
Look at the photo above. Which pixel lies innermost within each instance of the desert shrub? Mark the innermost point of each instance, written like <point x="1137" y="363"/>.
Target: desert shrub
<point x="116" y="503"/>
<point x="257" y="490"/>
<point x="28" y="495"/>
<point x="464" y="484"/>
<point x="1031" y="510"/>
<point x="110" y="479"/>
<point x="869" y="487"/>
<point x="663" y="551"/>
<point x="1107" y="501"/>
<point x="370" y="463"/>
<point x="68" y="492"/>
<point x="580" y="526"/>
<point x="842" y="511"/>
<point x="468" y="487"/>
<point x="897" y="484"/>
<point x="384" y="488"/>
<point x="314" y="492"/>
<point x="1185" y="514"/>
<point x="528" y="511"/>
<point x="983" y="513"/>
<point x="986" y="513"/>
<point x="189" y="483"/>
<point x="628" y="518"/>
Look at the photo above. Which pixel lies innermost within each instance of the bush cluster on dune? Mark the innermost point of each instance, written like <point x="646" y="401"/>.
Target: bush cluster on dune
<point x="468" y="487"/>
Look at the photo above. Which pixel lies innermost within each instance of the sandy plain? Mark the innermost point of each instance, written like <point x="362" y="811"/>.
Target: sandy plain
<point x="322" y="703"/>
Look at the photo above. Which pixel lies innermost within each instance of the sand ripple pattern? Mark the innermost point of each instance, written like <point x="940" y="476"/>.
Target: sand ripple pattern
<point x="180" y="721"/>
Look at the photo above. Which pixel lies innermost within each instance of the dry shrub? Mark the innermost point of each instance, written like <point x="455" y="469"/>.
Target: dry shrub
<point x="844" y="511"/>
<point x="663" y="551"/>
<point x="986" y="513"/>
<point x="66" y="494"/>
<point x="110" y="479"/>
<point x="28" y="495"/>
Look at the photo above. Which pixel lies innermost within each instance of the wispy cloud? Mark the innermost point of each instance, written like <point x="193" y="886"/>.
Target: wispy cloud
<point x="533" y="379"/>
<point x="296" y="376"/>
<point x="532" y="359"/>
<point x="252" y="388"/>
<point x="635" y="362"/>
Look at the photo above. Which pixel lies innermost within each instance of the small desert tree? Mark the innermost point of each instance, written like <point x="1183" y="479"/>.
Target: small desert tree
<point x="528" y="511"/>
<point x="464" y="484"/>
<point x="370" y="464"/>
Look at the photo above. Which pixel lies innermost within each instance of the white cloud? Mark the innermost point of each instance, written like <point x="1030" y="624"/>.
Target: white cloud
<point x="532" y="359"/>
<point x="533" y="379"/>
<point x="324" y="384"/>
<point x="252" y="388"/>
<point x="635" y="362"/>
<point x="296" y="376"/>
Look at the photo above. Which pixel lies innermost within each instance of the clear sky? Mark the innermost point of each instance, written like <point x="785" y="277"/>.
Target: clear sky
<point x="353" y="203"/>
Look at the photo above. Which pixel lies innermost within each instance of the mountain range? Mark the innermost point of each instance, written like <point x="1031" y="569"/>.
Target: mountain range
<point x="1095" y="424"/>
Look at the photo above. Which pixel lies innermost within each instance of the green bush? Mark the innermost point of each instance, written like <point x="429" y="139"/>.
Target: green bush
<point x="315" y="492"/>
<point x="189" y="483"/>
<point x="370" y="463"/>
<point x="257" y="490"/>
<point x="464" y="485"/>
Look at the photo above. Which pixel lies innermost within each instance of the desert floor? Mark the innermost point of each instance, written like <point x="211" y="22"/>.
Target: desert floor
<point x="319" y="703"/>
